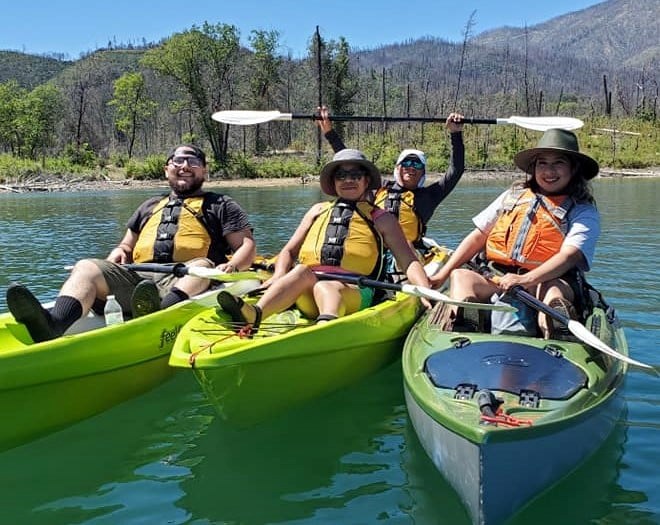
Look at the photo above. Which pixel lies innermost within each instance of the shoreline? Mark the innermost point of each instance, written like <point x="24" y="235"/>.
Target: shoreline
<point x="76" y="184"/>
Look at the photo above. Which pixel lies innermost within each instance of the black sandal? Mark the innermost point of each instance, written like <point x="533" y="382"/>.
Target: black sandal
<point x="326" y="317"/>
<point x="233" y="306"/>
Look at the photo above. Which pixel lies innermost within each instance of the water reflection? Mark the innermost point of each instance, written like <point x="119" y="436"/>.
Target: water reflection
<point x="326" y="462"/>
<point x="432" y="499"/>
<point x="112" y="468"/>
<point x="589" y="494"/>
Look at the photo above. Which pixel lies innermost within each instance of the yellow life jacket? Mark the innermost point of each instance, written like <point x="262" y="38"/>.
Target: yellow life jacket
<point x="401" y="203"/>
<point x="529" y="230"/>
<point x="174" y="232"/>
<point x="343" y="235"/>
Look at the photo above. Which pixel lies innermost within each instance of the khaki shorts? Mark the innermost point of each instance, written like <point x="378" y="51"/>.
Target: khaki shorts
<point x="123" y="281"/>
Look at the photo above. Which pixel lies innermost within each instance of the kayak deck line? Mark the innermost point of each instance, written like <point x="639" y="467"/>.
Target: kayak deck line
<point x="234" y="330"/>
<point x="251" y="379"/>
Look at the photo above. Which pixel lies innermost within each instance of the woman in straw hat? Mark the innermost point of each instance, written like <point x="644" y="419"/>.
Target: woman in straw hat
<point x="348" y="235"/>
<point x="540" y="234"/>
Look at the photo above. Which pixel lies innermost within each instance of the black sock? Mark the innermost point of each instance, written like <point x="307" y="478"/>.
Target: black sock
<point x="172" y="297"/>
<point x="67" y="310"/>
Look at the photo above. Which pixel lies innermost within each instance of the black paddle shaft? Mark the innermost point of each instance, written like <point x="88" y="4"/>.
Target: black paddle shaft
<point x="533" y="302"/>
<point x="359" y="280"/>
<point x="178" y="269"/>
<point x="357" y="118"/>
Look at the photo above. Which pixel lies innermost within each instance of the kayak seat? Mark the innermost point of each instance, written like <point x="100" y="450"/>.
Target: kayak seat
<point x="506" y="366"/>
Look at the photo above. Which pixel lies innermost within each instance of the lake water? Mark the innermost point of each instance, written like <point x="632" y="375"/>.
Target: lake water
<point x="350" y="457"/>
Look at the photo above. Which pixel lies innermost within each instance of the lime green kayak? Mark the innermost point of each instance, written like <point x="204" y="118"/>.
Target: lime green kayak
<point x="505" y="417"/>
<point x="290" y="359"/>
<point x="46" y="386"/>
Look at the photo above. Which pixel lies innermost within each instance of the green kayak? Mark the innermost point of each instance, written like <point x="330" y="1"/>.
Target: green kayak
<point x="505" y="417"/>
<point x="290" y="359"/>
<point x="46" y="386"/>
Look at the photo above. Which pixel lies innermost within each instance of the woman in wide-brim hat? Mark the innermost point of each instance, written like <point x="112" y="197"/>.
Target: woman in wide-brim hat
<point x="340" y="159"/>
<point x="348" y="235"/>
<point x="540" y="235"/>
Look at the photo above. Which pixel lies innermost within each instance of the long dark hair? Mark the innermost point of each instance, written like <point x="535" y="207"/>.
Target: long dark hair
<point x="578" y="187"/>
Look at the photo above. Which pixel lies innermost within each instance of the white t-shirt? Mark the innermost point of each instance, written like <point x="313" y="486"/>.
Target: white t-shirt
<point x="583" y="226"/>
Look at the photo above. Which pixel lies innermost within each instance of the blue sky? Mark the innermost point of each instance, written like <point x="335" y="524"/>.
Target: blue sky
<point x="73" y="27"/>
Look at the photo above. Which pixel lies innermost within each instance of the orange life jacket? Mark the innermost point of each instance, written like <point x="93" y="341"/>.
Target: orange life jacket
<point x="530" y="229"/>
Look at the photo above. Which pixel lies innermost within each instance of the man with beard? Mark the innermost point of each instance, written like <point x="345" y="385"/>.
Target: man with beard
<point x="188" y="225"/>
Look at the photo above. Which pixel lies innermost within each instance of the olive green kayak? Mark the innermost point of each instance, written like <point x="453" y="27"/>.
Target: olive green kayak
<point x="505" y="417"/>
<point x="46" y="386"/>
<point x="290" y="359"/>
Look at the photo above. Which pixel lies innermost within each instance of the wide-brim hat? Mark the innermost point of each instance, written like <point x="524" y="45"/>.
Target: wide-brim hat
<point x="353" y="156"/>
<point x="558" y="140"/>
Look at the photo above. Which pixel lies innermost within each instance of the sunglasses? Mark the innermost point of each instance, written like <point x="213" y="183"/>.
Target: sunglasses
<point x="343" y="174"/>
<point x="409" y="163"/>
<point x="193" y="162"/>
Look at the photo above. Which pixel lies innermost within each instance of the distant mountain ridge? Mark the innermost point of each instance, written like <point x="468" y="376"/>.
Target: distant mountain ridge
<point x="568" y="55"/>
<point x="609" y="36"/>
<point x="29" y="70"/>
<point x="615" y="32"/>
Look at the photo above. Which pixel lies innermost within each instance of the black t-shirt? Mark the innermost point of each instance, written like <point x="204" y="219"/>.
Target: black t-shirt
<point x="221" y="213"/>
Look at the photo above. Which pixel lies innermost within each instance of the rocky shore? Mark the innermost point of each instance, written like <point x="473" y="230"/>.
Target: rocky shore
<point x="44" y="183"/>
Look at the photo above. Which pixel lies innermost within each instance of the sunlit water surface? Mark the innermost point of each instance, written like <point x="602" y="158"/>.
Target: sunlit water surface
<point x="351" y="457"/>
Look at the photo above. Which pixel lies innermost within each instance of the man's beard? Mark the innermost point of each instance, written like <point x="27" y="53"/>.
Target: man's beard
<point x="192" y="186"/>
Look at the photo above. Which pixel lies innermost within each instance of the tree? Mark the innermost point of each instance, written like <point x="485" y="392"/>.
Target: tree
<point x="10" y="95"/>
<point x="132" y="106"/>
<point x="40" y="112"/>
<point x="467" y="33"/>
<point x="264" y="67"/>
<point x="264" y="73"/>
<point x="340" y="85"/>
<point x="201" y="61"/>
<point x="28" y="119"/>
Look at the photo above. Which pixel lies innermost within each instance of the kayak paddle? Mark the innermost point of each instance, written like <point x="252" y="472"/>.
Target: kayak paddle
<point x="249" y="118"/>
<point x="412" y="289"/>
<point x="180" y="269"/>
<point x="576" y="328"/>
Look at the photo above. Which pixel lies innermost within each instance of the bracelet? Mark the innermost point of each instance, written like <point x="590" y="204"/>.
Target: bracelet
<point x="124" y="248"/>
<point x="230" y="268"/>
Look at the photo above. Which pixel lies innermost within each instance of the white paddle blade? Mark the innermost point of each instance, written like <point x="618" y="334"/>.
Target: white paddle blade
<point x="581" y="332"/>
<point x="249" y="118"/>
<point x="543" y="123"/>
<point x="242" y="287"/>
<point x="218" y="275"/>
<point x="434" y="295"/>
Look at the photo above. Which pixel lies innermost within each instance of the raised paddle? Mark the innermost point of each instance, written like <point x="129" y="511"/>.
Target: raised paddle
<point x="576" y="328"/>
<point x="250" y="118"/>
<point x="412" y="289"/>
